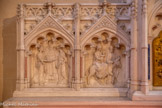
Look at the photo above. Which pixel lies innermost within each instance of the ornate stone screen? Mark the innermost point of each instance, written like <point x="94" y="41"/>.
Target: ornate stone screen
<point x="73" y="48"/>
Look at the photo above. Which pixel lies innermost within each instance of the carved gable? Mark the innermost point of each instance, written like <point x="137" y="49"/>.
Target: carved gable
<point x="105" y="23"/>
<point x="49" y="23"/>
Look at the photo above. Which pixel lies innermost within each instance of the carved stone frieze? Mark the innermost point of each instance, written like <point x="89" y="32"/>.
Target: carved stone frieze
<point x="65" y="14"/>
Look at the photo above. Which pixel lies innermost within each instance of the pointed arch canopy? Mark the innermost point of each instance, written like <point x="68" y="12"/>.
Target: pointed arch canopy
<point x="105" y="24"/>
<point x="49" y="24"/>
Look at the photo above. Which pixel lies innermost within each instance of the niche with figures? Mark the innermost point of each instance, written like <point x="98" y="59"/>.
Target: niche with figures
<point x="104" y="61"/>
<point x="49" y="61"/>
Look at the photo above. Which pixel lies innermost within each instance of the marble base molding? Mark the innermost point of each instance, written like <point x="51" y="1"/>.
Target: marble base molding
<point x="151" y="96"/>
<point x="80" y="102"/>
<point x="68" y="92"/>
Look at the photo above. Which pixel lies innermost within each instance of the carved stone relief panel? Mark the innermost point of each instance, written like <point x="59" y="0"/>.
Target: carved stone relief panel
<point x="104" y="61"/>
<point x="50" y="59"/>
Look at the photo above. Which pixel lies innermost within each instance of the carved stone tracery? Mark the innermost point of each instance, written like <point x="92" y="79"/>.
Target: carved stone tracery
<point x="64" y="14"/>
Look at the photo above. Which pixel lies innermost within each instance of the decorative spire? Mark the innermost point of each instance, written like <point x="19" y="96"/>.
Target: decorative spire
<point x="104" y="5"/>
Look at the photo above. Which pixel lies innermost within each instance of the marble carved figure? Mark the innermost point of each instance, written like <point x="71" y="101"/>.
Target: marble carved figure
<point x="62" y="61"/>
<point x="49" y="63"/>
<point x="105" y="64"/>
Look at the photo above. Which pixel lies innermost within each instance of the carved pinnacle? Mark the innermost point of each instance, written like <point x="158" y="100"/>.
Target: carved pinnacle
<point x="104" y="5"/>
<point x="49" y="6"/>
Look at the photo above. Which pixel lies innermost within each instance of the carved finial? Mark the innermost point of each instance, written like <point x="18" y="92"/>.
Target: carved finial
<point x="104" y="5"/>
<point x="49" y="6"/>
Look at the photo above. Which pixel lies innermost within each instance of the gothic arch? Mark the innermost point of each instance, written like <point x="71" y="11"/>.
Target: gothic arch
<point x="47" y="24"/>
<point x="115" y="33"/>
<point x="105" y="24"/>
<point x="153" y="26"/>
<point x="29" y="38"/>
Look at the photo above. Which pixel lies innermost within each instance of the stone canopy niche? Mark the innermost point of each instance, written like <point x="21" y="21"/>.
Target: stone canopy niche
<point x="50" y="57"/>
<point x="73" y="49"/>
<point x="104" y="61"/>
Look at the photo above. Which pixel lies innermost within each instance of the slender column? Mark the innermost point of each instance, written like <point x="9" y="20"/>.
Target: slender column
<point x="77" y="49"/>
<point x="144" y="47"/>
<point x="127" y="76"/>
<point x="133" y="66"/>
<point x="20" y="49"/>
